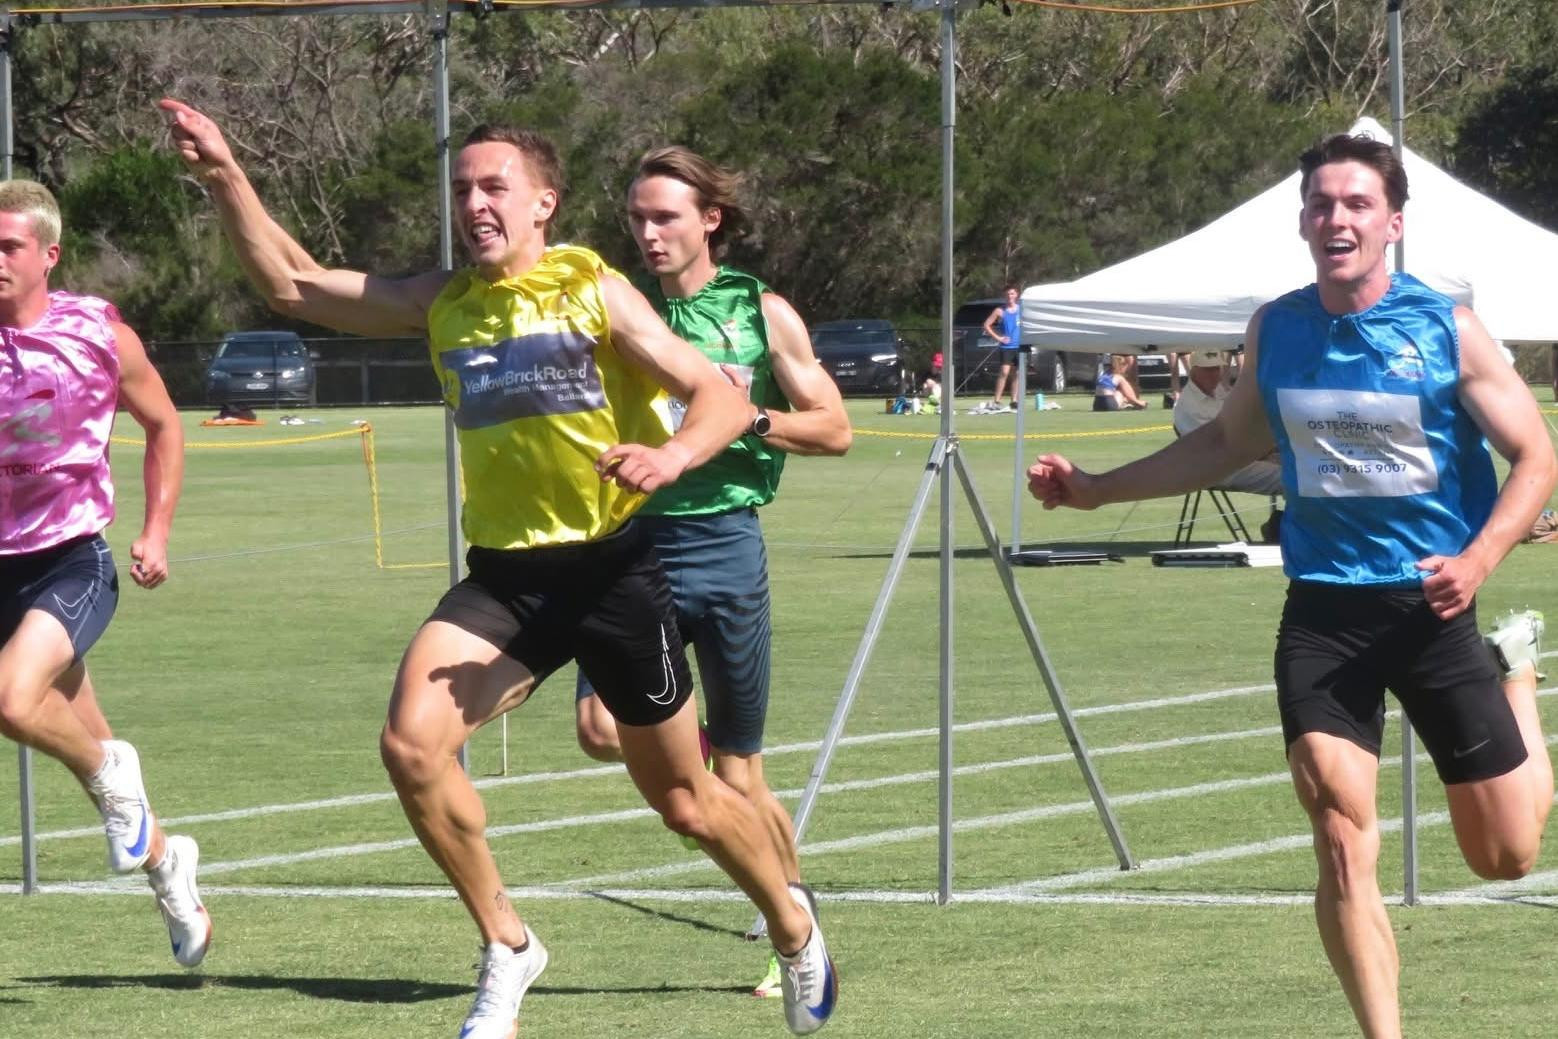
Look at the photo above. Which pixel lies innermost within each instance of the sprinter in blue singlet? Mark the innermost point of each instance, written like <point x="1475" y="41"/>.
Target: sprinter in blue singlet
<point x="1381" y="396"/>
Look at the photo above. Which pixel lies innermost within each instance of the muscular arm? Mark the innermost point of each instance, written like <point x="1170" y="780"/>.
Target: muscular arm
<point x="142" y="393"/>
<point x="291" y="281"/>
<point x="716" y="413"/>
<point x="1237" y="436"/>
<point x="818" y="425"/>
<point x="1502" y="406"/>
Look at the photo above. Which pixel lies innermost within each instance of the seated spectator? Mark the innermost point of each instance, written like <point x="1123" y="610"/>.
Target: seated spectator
<point x="1200" y="399"/>
<point x="1113" y="390"/>
<point x="931" y="387"/>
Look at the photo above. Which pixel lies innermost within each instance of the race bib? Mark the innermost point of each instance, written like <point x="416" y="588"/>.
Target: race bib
<point x="1357" y="444"/>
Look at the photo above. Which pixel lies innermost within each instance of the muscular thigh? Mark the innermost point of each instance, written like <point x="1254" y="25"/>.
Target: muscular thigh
<point x="451" y="682"/>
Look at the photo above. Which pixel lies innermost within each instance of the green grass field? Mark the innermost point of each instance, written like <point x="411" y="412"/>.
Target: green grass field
<point x="254" y="684"/>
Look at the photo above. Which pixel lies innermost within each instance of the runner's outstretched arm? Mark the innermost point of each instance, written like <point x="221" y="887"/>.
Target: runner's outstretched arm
<point x="1237" y="436"/>
<point x="292" y="282"/>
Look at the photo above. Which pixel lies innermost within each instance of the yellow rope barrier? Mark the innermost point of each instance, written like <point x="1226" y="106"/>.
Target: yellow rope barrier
<point x="899" y="434"/>
<point x="369" y="459"/>
<point x="364" y="430"/>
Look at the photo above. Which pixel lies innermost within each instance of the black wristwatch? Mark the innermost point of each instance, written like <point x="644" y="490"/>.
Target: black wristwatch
<point x="761" y="425"/>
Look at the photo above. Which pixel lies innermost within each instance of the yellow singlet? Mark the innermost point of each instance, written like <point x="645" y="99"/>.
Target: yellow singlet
<point x="538" y="392"/>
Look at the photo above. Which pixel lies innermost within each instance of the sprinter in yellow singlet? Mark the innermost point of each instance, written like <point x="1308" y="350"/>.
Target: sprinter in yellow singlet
<point x="556" y="370"/>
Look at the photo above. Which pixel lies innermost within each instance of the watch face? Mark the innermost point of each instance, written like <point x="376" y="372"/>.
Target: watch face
<point x="761" y="423"/>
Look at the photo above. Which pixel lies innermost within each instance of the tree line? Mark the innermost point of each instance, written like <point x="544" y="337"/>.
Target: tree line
<point x="1083" y="138"/>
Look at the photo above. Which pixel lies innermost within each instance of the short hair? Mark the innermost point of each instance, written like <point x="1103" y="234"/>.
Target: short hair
<point x="1012" y="287"/>
<point x="1377" y="155"/>
<point x="539" y="152"/>
<point x="32" y="199"/>
<point x="715" y="186"/>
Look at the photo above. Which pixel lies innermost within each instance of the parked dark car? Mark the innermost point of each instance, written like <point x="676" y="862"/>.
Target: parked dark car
<point x="261" y="368"/>
<point x="862" y="354"/>
<point x="979" y="356"/>
<point x="1152" y="371"/>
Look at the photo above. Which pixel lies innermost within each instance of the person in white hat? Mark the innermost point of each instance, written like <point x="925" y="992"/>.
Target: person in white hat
<point x="1199" y="402"/>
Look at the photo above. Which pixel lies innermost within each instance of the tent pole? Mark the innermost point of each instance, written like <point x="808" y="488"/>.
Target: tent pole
<point x="1408" y="752"/>
<point x="948" y="408"/>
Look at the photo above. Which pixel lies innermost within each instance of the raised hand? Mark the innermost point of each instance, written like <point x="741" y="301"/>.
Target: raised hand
<point x="197" y="138"/>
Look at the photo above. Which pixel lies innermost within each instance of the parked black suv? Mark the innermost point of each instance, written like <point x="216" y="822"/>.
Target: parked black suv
<point x="261" y="368"/>
<point x="979" y="356"/>
<point x="862" y="354"/>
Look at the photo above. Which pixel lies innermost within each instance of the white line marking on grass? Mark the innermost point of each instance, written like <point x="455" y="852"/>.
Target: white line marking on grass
<point x="567" y="822"/>
<point x="345" y="850"/>
<point x="912" y="833"/>
<point x="352" y="800"/>
<point x="708" y="896"/>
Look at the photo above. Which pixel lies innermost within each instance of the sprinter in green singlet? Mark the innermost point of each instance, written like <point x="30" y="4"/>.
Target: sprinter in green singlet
<point x="555" y="369"/>
<point x="683" y="211"/>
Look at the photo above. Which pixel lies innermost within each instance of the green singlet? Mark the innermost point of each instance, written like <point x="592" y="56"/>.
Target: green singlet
<point x="724" y="320"/>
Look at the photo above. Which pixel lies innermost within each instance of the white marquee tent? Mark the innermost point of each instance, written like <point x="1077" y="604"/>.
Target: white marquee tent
<point x="1200" y="290"/>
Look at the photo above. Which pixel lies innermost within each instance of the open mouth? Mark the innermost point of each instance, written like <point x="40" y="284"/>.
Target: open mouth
<point x="483" y="233"/>
<point x="1337" y="247"/>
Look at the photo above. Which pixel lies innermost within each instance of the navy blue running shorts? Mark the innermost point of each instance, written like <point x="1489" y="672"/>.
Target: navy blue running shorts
<point x="1340" y="647"/>
<point x="603" y="603"/>
<point x="74" y="582"/>
<point x="718" y="568"/>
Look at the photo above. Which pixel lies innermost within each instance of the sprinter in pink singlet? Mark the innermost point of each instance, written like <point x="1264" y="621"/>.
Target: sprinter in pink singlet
<point x="66" y="363"/>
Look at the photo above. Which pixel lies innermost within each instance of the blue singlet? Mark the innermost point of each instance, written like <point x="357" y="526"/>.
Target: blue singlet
<point x="1381" y="464"/>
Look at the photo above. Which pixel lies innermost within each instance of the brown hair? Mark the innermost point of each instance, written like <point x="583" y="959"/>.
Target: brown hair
<point x="31" y="199"/>
<point x="1376" y="155"/>
<point x="716" y="188"/>
<point x="539" y="152"/>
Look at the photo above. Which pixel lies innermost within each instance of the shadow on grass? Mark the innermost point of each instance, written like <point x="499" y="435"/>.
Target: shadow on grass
<point x="345" y="990"/>
<point x="661" y="914"/>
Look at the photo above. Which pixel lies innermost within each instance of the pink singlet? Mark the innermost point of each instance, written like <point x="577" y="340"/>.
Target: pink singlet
<point x="59" y="386"/>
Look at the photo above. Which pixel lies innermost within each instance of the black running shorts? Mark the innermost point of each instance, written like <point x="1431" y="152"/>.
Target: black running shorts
<point x="74" y="582"/>
<point x="1340" y="647"/>
<point x="603" y="603"/>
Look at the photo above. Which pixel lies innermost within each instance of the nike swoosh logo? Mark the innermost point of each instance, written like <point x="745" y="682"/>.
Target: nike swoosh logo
<point x="140" y="841"/>
<point x="1461" y="753"/>
<point x="830" y="988"/>
<point x="667" y="694"/>
<point x="73" y="610"/>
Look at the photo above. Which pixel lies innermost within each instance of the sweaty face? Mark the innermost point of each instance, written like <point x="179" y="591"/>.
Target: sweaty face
<point x="501" y="209"/>
<point x="1348" y="222"/>
<point x="24" y="261"/>
<point x="670" y="229"/>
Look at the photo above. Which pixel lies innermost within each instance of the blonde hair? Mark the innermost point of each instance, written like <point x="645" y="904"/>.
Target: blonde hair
<point x="32" y="199"/>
